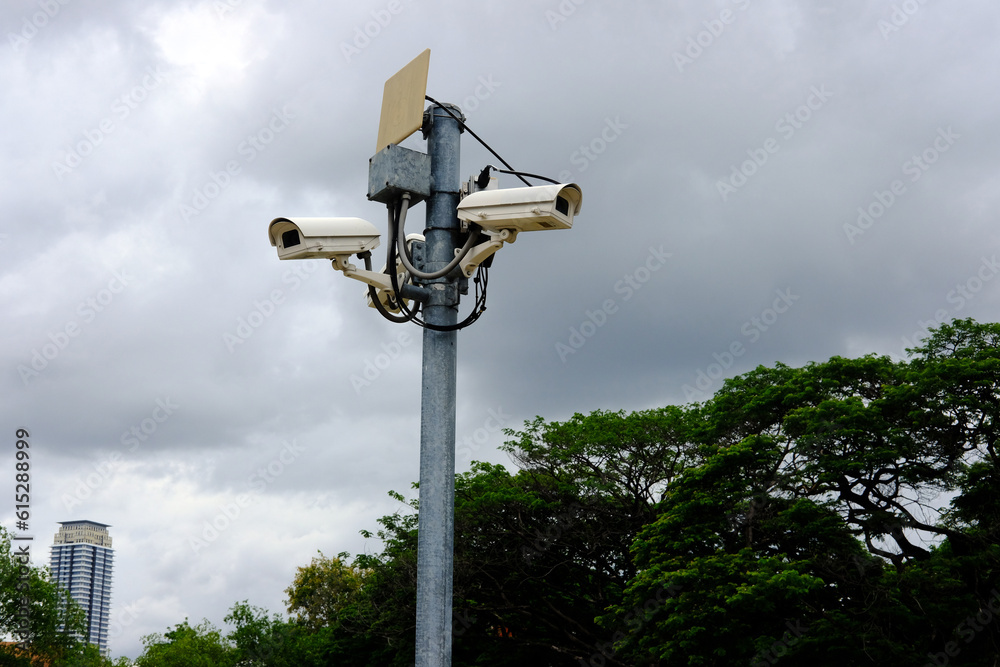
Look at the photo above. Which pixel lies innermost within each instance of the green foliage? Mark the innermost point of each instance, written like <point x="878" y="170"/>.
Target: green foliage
<point x="46" y="614"/>
<point x="185" y="646"/>
<point x="90" y="656"/>
<point x="262" y="641"/>
<point x="845" y="513"/>
<point x="539" y="553"/>
<point x="810" y="533"/>
<point x="257" y="638"/>
<point x="323" y="590"/>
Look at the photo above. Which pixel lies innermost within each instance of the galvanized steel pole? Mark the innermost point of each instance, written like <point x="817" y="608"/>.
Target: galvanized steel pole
<point x="436" y="536"/>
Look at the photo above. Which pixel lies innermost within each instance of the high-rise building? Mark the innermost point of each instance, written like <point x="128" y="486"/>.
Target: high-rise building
<point x="81" y="563"/>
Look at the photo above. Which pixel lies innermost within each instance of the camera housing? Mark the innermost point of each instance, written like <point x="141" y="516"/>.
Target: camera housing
<point x="325" y="238"/>
<point x="523" y="209"/>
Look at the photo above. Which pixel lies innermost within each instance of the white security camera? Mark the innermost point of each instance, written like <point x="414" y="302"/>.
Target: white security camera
<point x="335" y="239"/>
<point x="310" y="238"/>
<point x="523" y="209"/>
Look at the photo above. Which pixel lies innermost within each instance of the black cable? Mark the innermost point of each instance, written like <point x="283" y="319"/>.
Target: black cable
<point x="514" y="173"/>
<point x="373" y="295"/>
<point x="482" y="273"/>
<point x="391" y="266"/>
<point x="403" y="253"/>
<point x="476" y="137"/>
<point x="478" y="309"/>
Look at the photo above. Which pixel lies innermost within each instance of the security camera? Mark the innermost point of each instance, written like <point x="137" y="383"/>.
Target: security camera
<point x="310" y="238"/>
<point x="335" y="239"/>
<point x="523" y="209"/>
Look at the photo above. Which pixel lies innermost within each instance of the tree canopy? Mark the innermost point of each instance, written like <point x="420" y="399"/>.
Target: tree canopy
<point x="845" y="512"/>
<point x="41" y="622"/>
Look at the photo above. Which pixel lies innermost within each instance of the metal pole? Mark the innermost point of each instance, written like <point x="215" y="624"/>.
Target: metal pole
<point x="436" y="523"/>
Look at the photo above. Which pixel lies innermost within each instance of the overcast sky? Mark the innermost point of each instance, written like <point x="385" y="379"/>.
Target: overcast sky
<point x="762" y="181"/>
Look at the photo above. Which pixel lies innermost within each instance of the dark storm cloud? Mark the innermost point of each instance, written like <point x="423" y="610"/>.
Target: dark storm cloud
<point x="762" y="182"/>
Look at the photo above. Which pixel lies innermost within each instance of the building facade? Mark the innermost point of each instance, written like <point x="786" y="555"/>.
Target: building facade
<point x="81" y="562"/>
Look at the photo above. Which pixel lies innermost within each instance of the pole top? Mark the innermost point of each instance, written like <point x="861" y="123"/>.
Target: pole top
<point x="443" y="110"/>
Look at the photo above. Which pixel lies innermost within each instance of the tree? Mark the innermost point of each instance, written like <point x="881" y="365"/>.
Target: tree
<point x="322" y="590"/>
<point x="258" y="639"/>
<point x="350" y="610"/>
<point x="185" y="646"/>
<point x="36" y="612"/>
<point x="263" y="641"/>
<point x="538" y="553"/>
<point x="845" y="512"/>
<point x="810" y="533"/>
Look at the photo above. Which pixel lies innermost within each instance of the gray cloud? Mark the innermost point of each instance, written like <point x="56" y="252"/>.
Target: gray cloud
<point x="137" y="274"/>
